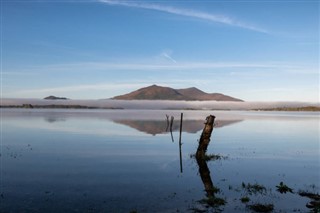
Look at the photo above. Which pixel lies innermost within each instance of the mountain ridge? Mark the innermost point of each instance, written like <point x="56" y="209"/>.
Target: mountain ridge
<point x="155" y="92"/>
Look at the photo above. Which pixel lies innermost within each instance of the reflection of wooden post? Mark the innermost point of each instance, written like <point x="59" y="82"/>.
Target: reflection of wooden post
<point x="205" y="176"/>
<point x="180" y="144"/>
<point x="205" y="137"/>
<point x="171" y="123"/>
<point x="167" y="116"/>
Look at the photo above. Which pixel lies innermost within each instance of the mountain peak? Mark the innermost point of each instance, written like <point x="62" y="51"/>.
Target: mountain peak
<point x="155" y="92"/>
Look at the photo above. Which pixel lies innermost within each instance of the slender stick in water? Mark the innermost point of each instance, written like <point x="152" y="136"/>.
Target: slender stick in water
<point x="180" y="144"/>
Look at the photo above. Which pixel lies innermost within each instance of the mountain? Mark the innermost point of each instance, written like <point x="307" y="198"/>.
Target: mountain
<point x="155" y="92"/>
<point x="51" y="97"/>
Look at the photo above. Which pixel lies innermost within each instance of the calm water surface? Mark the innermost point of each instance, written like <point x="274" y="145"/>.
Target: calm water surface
<point x="125" y="161"/>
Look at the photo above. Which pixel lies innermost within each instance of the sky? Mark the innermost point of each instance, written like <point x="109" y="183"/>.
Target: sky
<point x="95" y="49"/>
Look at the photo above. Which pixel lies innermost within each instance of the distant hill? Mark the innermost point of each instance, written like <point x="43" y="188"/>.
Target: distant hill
<point x="51" y="97"/>
<point x="155" y="92"/>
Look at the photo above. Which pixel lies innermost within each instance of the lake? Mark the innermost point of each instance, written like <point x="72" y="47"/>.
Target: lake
<point x="127" y="161"/>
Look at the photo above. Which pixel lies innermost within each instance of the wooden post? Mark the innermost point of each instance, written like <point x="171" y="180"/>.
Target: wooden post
<point x="180" y="144"/>
<point x="205" y="137"/>
<point x="204" y="171"/>
<point x="200" y="156"/>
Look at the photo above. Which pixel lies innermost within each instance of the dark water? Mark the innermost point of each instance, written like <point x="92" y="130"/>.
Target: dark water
<point x="125" y="161"/>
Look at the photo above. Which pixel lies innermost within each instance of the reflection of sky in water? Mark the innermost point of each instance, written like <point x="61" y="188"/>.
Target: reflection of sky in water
<point x="70" y="160"/>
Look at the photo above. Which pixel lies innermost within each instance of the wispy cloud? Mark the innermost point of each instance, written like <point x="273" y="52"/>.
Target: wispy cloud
<point x="155" y="66"/>
<point x="168" y="56"/>
<point x="186" y="12"/>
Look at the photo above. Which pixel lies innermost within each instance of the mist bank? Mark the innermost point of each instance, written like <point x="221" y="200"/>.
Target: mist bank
<point x="159" y="104"/>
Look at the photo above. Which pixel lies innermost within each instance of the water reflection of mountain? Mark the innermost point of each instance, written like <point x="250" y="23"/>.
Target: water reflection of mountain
<point x="52" y="119"/>
<point x="155" y="127"/>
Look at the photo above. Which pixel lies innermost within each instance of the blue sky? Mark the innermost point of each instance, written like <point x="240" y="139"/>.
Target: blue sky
<point x="253" y="50"/>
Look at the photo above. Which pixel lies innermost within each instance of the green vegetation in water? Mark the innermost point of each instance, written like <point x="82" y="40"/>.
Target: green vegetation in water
<point x="282" y="188"/>
<point x="213" y="201"/>
<point x="314" y="204"/>
<point x="245" y="199"/>
<point x="211" y="157"/>
<point x="258" y="207"/>
<point x="214" y="190"/>
<point x="254" y="188"/>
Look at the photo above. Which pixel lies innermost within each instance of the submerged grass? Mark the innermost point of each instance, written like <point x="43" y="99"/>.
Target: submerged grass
<point x="314" y="204"/>
<point x="283" y="188"/>
<point x="314" y="196"/>
<point x="254" y="188"/>
<point x="213" y="201"/>
<point x="211" y="157"/>
<point x="213" y="190"/>
<point x="245" y="199"/>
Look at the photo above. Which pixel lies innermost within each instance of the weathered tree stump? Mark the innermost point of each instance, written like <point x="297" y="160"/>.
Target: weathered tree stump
<point x="212" y="200"/>
<point x="205" y="137"/>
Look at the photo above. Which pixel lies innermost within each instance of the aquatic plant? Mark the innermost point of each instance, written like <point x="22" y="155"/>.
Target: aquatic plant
<point x="314" y="204"/>
<point x="211" y="157"/>
<point x="254" y="188"/>
<point x="213" y="201"/>
<point x="245" y="199"/>
<point x="282" y="188"/>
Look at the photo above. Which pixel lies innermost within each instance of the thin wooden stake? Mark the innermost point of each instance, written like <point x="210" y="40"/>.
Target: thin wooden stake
<point x="180" y="144"/>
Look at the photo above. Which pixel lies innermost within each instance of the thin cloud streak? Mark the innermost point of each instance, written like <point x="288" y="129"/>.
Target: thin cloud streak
<point x="188" y="13"/>
<point x="167" y="56"/>
<point x="181" y="66"/>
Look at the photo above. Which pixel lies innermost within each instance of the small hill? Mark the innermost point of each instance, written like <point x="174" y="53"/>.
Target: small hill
<point x="155" y="92"/>
<point x="51" y="97"/>
<point x="194" y="93"/>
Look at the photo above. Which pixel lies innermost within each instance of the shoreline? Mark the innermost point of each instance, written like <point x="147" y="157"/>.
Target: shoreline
<point x="62" y="106"/>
